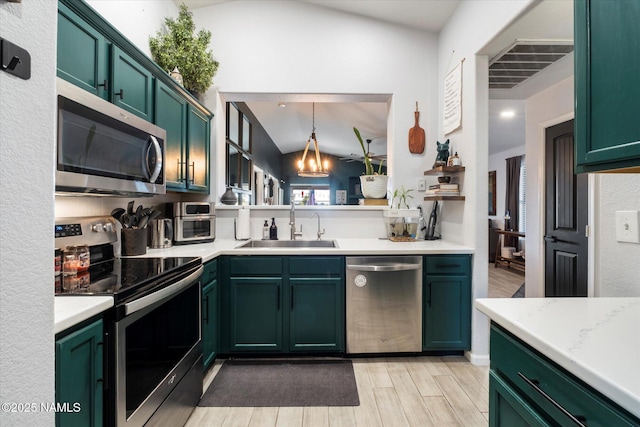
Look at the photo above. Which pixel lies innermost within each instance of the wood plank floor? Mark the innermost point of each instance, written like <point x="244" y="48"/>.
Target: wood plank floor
<point x="503" y="282"/>
<point x="420" y="391"/>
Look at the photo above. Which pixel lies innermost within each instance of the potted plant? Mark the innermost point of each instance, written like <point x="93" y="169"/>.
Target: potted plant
<point x="401" y="221"/>
<point x="180" y="47"/>
<point x="373" y="184"/>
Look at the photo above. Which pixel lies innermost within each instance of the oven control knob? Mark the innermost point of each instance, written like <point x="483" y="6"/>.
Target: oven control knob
<point x="98" y="228"/>
<point x="108" y="227"/>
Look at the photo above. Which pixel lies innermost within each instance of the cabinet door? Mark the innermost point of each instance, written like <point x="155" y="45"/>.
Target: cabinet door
<point x="171" y="115"/>
<point x="607" y="86"/>
<point x="197" y="151"/>
<point x="132" y="85"/>
<point x="256" y="314"/>
<point x="82" y="54"/>
<point x="316" y="319"/>
<point x="209" y="322"/>
<point x="447" y="313"/>
<point x="507" y="408"/>
<point x="79" y="377"/>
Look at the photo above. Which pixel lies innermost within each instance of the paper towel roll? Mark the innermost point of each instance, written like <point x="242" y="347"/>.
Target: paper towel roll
<point x="243" y="228"/>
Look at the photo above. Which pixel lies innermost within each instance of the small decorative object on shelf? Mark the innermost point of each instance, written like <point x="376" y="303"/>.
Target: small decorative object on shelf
<point x="444" y="179"/>
<point x="177" y="76"/>
<point x="229" y="197"/>
<point x="455" y="161"/>
<point x="443" y="154"/>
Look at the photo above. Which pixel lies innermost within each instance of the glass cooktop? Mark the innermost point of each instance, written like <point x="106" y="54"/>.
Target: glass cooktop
<point x="125" y="277"/>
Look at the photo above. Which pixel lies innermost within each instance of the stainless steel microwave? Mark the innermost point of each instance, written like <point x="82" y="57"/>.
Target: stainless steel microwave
<point x="194" y="222"/>
<point x="103" y="149"/>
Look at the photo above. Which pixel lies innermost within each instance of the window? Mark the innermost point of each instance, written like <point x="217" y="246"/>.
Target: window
<point x="311" y="195"/>
<point x="239" y="158"/>
<point x="522" y="198"/>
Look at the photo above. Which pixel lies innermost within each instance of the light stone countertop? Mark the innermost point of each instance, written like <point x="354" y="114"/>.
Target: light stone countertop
<point x="70" y="310"/>
<point x="595" y="339"/>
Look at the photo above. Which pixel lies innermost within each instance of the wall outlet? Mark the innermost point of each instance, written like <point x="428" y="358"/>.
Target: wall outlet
<point x="628" y="226"/>
<point x="422" y="186"/>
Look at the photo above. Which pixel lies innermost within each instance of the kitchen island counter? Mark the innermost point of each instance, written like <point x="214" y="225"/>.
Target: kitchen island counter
<point x="595" y="339"/>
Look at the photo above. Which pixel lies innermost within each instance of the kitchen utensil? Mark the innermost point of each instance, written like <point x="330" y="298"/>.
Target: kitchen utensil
<point x="143" y="222"/>
<point x="139" y="214"/>
<point x="154" y="214"/>
<point x="130" y="207"/>
<point x="124" y="220"/>
<point x="416" y="136"/>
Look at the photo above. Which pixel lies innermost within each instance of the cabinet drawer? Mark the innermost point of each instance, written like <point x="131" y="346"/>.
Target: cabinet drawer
<point x="255" y="266"/>
<point x="210" y="272"/>
<point x="308" y="266"/>
<point x="533" y="375"/>
<point x="452" y="264"/>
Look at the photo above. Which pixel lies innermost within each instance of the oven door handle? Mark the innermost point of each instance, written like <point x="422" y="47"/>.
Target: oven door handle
<point x="163" y="294"/>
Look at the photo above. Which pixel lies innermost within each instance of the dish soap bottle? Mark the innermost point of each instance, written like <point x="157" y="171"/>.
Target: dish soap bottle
<point x="265" y="230"/>
<point x="273" y="230"/>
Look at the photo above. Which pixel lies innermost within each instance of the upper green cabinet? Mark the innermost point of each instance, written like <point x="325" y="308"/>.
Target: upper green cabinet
<point x="132" y="85"/>
<point x="96" y="57"/>
<point x="607" y="85"/>
<point x="83" y="54"/>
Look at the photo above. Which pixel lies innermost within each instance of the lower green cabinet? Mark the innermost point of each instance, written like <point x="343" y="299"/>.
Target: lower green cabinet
<point x="209" y="322"/>
<point x="256" y="314"/>
<point x="315" y="316"/>
<point x="507" y="408"/>
<point x="282" y="304"/>
<point x="79" y="377"/>
<point x="447" y="302"/>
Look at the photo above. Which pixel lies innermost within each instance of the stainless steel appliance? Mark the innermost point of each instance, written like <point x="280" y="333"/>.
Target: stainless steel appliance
<point x="103" y="149"/>
<point x="194" y="222"/>
<point x="160" y="233"/>
<point x="384" y="304"/>
<point x="153" y="354"/>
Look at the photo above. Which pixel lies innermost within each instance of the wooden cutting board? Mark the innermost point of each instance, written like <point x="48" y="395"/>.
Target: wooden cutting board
<point x="416" y="136"/>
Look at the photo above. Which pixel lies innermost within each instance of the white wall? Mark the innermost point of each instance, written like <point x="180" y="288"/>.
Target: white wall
<point x="497" y="162"/>
<point x="617" y="264"/>
<point x="547" y="108"/>
<point x="26" y="214"/>
<point x="473" y="25"/>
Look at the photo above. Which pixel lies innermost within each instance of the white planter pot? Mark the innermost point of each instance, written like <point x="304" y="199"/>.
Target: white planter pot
<point x="374" y="186"/>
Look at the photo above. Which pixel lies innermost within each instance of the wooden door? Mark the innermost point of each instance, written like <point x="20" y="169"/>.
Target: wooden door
<point x="566" y="200"/>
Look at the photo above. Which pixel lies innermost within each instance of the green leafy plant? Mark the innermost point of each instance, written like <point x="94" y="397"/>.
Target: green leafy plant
<point x="402" y="195"/>
<point x="368" y="166"/>
<point x="180" y="47"/>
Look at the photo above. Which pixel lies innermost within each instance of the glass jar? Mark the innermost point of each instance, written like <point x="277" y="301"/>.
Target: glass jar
<point x="82" y="256"/>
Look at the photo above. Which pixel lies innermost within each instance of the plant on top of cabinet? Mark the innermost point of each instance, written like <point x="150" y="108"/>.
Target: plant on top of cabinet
<point x="180" y="47"/>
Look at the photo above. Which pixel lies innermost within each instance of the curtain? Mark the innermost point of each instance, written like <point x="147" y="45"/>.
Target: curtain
<point x="513" y="186"/>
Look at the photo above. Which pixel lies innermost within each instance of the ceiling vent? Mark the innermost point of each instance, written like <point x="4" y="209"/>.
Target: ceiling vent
<point x="524" y="59"/>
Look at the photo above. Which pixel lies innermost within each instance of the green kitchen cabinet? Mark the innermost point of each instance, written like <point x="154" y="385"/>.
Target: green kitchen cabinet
<point x="187" y="143"/>
<point x="256" y="314"/>
<point x="83" y="54"/>
<point x="132" y="85"/>
<point x="528" y="389"/>
<point x="446" y="302"/>
<point x="79" y="377"/>
<point x="171" y="115"/>
<point x="607" y="87"/>
<point x="290" y="304"/>
<point x="210" y="318"/>
<point x="197" y="160"/>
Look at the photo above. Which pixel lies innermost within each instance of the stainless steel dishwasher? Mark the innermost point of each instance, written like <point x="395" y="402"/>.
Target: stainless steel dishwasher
<point x="384" y="304"/>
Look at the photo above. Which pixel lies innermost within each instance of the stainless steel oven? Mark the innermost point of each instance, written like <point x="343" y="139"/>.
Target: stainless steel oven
<point x="194" y="222"/>
<point x="153" y="354"/>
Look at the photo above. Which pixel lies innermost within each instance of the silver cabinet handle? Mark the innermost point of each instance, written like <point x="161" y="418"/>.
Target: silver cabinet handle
<point x="158" y="153"/>
<point x="384" y="267"/>
<point x="577" y="419"/>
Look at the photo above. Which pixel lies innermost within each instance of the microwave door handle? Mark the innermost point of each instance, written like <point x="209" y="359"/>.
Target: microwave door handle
<point x="158" y="153"/>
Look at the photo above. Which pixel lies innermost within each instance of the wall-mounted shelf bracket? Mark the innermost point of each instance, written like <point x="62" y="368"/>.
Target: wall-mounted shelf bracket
<point x="15" y="60"/>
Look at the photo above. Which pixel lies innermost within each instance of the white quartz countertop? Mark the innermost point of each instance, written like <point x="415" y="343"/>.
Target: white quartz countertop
<point x="208" y="251"/>
<point x="596" y="339"/>
<point x="71" y="310"/>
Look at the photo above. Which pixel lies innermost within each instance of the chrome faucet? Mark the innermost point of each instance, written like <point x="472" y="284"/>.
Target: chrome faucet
<point x="319" y="232"/>
<point x="292" y="222"/>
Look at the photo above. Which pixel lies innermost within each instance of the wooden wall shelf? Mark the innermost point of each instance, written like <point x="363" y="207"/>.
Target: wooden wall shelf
<point x="427" y="198"/>
<point x="444" y="170"/>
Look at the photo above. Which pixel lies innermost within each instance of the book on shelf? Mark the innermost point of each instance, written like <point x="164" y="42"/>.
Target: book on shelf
<point x="448" y="187"/>
<point x="441" y="193"/>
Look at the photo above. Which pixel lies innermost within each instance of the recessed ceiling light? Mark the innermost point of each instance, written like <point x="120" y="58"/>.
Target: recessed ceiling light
<point x="507" y="114"/>
<point x="281" y="104"/>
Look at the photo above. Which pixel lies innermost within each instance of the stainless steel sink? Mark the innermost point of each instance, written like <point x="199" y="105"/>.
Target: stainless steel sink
<point x="289" y="244"/>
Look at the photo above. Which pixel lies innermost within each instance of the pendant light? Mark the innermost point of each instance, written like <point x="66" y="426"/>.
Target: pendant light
<point x="315" y="167"/>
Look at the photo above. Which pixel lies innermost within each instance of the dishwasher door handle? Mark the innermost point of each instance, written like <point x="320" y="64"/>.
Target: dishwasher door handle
<point x="385" y="267"/>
